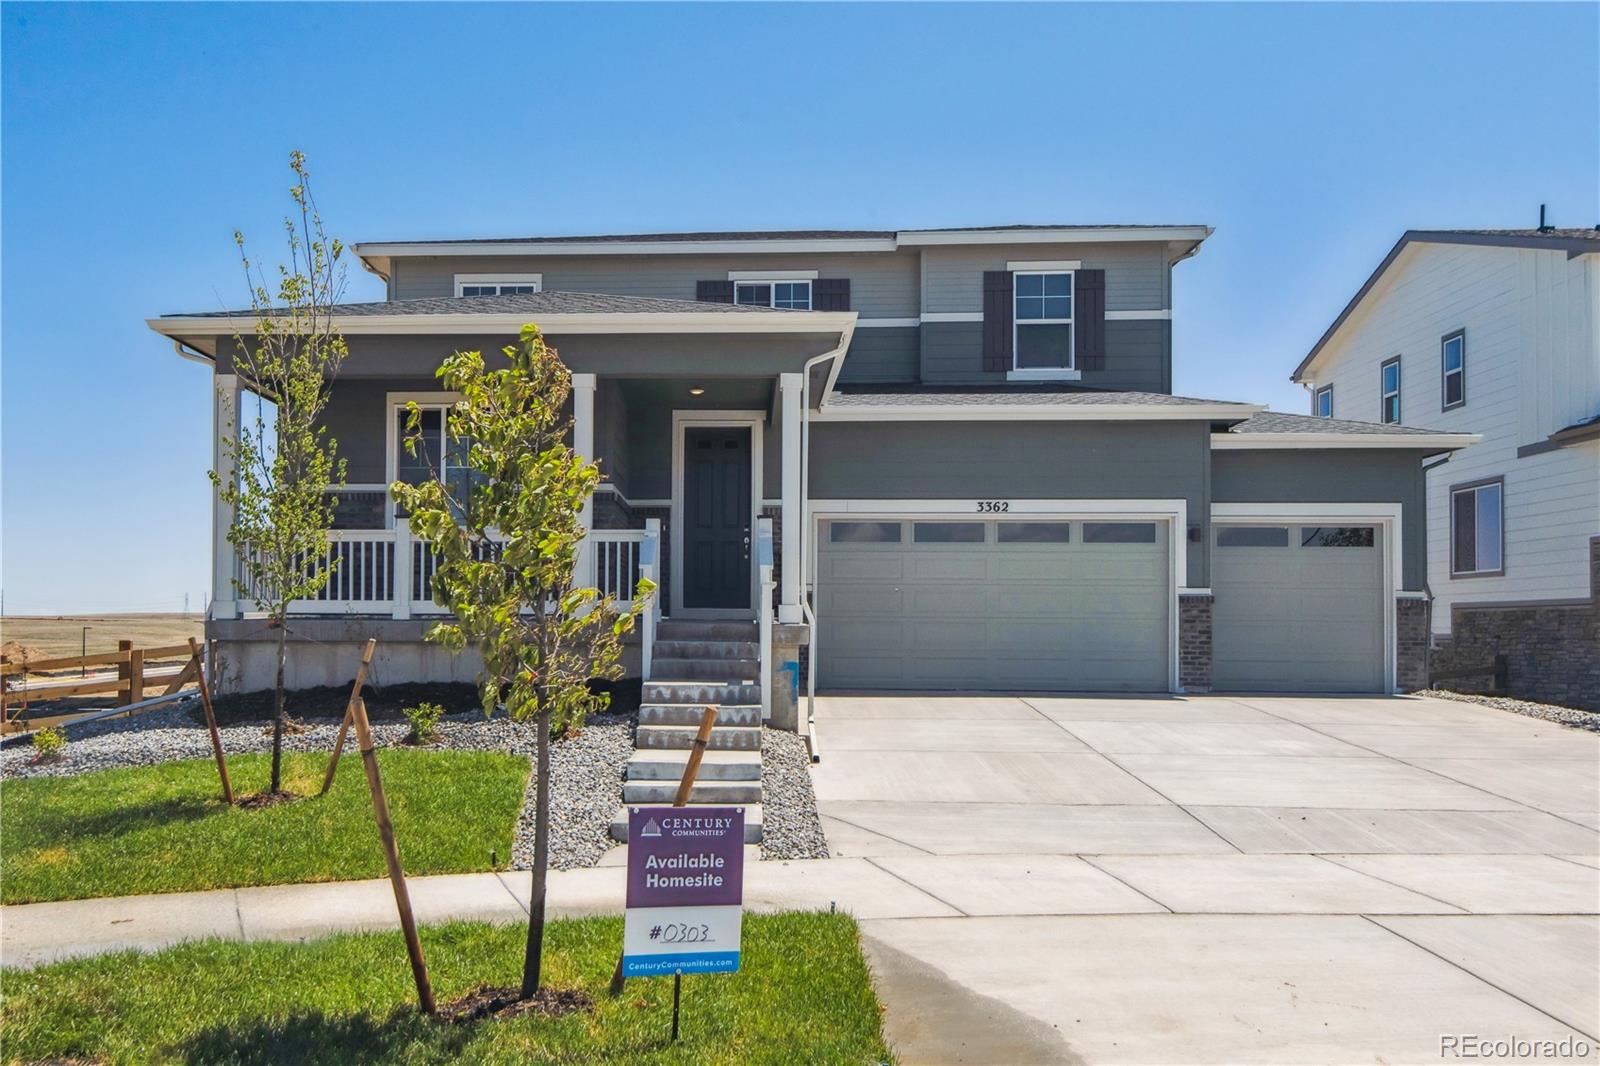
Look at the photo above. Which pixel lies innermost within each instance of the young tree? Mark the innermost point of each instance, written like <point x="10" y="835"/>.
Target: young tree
<point x="507" y="538"/>
<point x="284" y="462"/>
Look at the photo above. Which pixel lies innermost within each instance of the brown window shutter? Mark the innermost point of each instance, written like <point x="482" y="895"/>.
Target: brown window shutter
<point x="714" y="292"/>
<point x="1089" y="318"/>
<point x="997" y="311"/>
<point x="830" y="294"/>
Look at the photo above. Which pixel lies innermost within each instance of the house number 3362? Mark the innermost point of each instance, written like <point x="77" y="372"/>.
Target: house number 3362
<point x="993" y="506"/>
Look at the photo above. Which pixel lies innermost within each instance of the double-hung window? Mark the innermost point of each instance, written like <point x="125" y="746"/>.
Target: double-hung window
<point x="1043" y="320"/>
<point x="791" y="295"/>
<point x="436" y="456"/>
<point x="1325" y="402"/>
<point x="498" y="284"/>
<point x="1477" y="529"/>
<point x="1389" y="391"/>
<point x="1453" y="368"/>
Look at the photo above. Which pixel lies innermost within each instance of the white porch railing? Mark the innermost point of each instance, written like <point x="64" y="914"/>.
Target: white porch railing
<point x="614" y="561"/>
<point x="764" y="612"/>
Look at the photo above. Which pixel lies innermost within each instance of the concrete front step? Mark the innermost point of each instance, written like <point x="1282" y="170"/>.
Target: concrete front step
<point x="752" y="821"/>
<point x="689" y="714"/>
<point x="732" y="793"/>
<point x="700" y="692"/>
<point x="716" y="765"/>
<point x="707" y="649"/>
<point x="723" y="738"/>
<point x="689" y="629"/>
<point x="717" y="670"/>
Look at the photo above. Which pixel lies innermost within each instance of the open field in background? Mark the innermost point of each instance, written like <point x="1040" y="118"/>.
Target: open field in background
<point x="53" y="636"/>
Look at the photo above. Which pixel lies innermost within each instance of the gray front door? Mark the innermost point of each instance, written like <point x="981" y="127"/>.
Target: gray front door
<point x="1045" y="604"/>
<point x="1299" y="608"/>
<point x="716" y="517"/>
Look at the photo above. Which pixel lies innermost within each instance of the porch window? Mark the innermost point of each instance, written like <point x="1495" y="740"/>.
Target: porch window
<point x="1043" y="320"/>
<point x="498" y="284"/>
<point x="436" y="456"/>
<point x="790" y="295"/>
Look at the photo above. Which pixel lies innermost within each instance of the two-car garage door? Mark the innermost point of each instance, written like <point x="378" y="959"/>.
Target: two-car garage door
<point x="1037" y="604"/>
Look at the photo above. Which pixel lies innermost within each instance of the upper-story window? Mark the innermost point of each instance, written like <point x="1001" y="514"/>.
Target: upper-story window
<point x="793" y="295"/>
<point x="498" y="284"/>
<point x="1325" y="402"/>
<point x="1389" y="391"/>
<point x="1043" y="320"/>
<point x="1453" y="367"/>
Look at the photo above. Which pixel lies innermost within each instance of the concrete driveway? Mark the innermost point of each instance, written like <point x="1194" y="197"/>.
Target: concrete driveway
<point x="1222" y="880"/>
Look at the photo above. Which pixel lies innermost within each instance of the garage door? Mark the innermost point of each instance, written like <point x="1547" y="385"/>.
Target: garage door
<point x="1050" y="605"/>
<point x="1299" y="608"/>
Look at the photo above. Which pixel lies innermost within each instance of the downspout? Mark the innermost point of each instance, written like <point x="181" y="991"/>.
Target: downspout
<point x="837" y="353"/>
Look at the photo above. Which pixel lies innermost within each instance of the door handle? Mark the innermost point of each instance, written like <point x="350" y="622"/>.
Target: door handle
<point x="747" y="542"/>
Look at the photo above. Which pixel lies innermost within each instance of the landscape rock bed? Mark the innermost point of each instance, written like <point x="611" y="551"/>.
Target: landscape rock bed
<point x="586" y="769"/>
<point x="791" y="827"/>
<point x="1567" y="716"/>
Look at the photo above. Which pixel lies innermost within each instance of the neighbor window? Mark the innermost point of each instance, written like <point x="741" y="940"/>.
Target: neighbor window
<point x="1477" y="529"/>
<point x="1325" y="402"/>
<point x="792" y="295"/>
<point x="498" y="284"/>
<point x="1043" y="339"/>
<point x="1389" y="390"/>
<point x="1453" y="365"/>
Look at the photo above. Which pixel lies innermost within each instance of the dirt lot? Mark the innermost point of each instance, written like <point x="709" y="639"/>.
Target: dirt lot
<point x="61" y="635"/>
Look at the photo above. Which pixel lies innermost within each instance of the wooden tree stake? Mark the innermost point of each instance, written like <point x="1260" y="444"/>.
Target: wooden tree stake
<point x="391" y="852"/>
<point x="211" y="721"/>
<point x="349" y="712"/>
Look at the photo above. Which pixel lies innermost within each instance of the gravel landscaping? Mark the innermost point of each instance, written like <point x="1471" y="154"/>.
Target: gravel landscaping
<point x="1567" y="716"/>
<point x="791" y="827"/>
<point x="586" y="769"/>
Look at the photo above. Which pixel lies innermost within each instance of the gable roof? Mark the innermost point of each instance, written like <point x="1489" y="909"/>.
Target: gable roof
<point x="1574" y="242"/>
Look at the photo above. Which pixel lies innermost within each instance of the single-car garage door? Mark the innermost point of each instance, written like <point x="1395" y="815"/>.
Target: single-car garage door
<point x="1299" y="608"/>
<point x="1040" y="604"/>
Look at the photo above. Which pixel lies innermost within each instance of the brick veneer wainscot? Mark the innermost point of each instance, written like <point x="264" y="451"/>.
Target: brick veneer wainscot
<point x="1194" y="641"/>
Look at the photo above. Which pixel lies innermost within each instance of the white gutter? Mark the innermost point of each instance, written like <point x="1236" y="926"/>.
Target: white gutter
<point x="561" y="324"/>
<point x="190" y="354"/>
<point x="1041" y="412"/>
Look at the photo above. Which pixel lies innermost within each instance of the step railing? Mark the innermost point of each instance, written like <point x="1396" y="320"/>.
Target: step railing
<point x="764" y="612"/>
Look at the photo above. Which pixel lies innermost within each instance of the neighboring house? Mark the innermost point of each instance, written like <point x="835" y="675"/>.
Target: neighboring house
<point x="1494" y="332"/>
<point x="963" y="443"/>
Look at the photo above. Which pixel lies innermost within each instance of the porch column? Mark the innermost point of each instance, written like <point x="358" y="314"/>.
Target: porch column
<point x="583" y="443"/>
<point x="789" y="593"/>
<point x="224" y="424"/>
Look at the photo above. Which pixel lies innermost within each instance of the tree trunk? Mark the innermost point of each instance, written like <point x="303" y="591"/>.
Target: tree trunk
<point x="541" y="859"/>
<point x="277" y="709"/>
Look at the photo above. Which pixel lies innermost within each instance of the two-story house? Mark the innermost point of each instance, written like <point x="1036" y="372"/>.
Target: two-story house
<point x="951" y="459"/>
<point x="1494" y="332"/>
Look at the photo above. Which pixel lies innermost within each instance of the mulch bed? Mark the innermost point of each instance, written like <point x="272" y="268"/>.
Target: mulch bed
<point x="261" y="800"/>
<point x="328" y="701"/>
<point x="498" y="1001"/>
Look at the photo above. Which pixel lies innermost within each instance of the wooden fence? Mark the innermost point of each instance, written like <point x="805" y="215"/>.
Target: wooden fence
<point x="30" y="681"/>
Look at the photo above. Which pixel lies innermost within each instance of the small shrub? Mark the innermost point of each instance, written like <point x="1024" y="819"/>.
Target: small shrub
<point x="48" y="744"/>
<point x="424" y="719"/>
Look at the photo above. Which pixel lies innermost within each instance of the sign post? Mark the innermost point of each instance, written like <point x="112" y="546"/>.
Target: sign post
<point x="685" y="892"/>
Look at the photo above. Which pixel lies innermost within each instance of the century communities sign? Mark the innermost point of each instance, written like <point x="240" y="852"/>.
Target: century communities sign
<point x="685" y="890"/>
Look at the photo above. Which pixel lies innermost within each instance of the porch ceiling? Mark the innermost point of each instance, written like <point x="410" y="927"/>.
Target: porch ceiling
<point x="721" y="394"/>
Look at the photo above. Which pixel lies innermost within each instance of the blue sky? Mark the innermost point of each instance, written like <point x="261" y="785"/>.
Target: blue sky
<point x="136" y="138"/>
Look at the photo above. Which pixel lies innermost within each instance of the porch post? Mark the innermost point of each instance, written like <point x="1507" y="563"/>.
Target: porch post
<point x="583" y="443"/>
<point x="224" y="423"/>
<point x="789" y="594"/>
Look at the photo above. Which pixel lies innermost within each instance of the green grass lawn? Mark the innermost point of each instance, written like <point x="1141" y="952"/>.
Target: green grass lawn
<point x="804" y="996"/>
<point x="164" y="828"/>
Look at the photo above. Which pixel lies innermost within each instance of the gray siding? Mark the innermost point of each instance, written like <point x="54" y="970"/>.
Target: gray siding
<point x="1138" y="356"/>
<point x="882" y="284"/>
<point x="356" y="418"/>
<point x="1137" y="275"/>
<point x="1018" y="461"/>
<point x="888" y="355"/>
<point x="1356" y="476"/>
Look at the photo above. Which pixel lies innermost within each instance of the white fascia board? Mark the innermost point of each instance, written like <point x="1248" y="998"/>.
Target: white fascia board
<point x="567" y="324"/>
<point x="870" y="323"/>
<point x="1056" y="236"/>
<point x="772" y="275"/>
<point x="728" y="247"/>
<point x="967" y="412"/>
<point x="1434" y="442"/>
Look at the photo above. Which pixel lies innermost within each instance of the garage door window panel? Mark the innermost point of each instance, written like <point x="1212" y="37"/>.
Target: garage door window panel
<point x="1035" y="532"/>
<point x="1253" y="537"/>
<point x="1337" y="536"/>
<point x="1119" y="532"/>
<point x="948" y="532"/>
<point x="864" y="532"/>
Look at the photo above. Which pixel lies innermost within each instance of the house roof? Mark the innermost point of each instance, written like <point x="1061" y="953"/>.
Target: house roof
<point x="1032" y="396"/>
<point x="548" y="303"/>
<point x="1025" y="403"/>
<point x="1276" y="429"/>
<point x="1574" y="242"/>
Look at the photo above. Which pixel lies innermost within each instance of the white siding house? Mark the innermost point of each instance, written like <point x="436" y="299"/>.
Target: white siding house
<point x="1495" y="333"/>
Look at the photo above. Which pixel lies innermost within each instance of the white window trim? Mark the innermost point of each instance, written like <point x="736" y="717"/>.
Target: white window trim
<point x="772" y="281"/>
<point x="682" y="420"/>
<point x="1044" y="266"/>
<point x="1384" y="393"/>
<point x="1326" y="390"/>
<point x="394" y="402"/>
<point x="463" y="280"/>
<point x="1385" y="515"/>
<point x="767" y="275"/>
<point x="1069" y="372"/>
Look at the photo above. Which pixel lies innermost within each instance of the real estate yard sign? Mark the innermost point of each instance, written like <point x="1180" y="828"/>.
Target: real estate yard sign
<point x="685" y="890"/>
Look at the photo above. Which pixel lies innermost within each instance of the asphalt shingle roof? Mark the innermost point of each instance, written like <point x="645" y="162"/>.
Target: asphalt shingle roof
<point x="1279" y="422"/>
<point x="767" y="235"/>
<point x="536" y="303"/>
<point x="1010" y="397"/>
